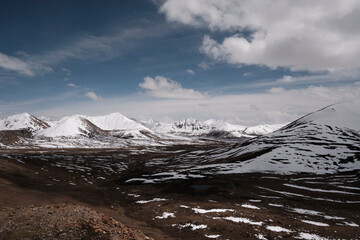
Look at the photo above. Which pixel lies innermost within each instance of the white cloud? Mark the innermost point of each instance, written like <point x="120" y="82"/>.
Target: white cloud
<point x="93" y="96"/>
<point x="275" y="90"/>
<point x="66" y="71"/>
<point x="286" y="79"/>
<point x="203" y="65"/>
<point x="15" y="64"/>
<point x="312" y="79"/>
<point x="191" y="72"/>
<point x="299" y="35"/>
<point x="72" y="85"/>
<point x="162" y="87"/>
<point x="97" y="48"/>
<point x="83" y="47"/>
<point x="247" y="74"/>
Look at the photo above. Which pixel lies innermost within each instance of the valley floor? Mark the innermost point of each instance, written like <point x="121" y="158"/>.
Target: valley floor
<point x="211" y="206"/>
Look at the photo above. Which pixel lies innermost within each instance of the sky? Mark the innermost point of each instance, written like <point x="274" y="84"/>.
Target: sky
<point x="244" y="61"/>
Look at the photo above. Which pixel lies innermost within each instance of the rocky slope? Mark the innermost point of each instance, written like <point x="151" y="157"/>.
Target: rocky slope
<point x="64" y="221"/>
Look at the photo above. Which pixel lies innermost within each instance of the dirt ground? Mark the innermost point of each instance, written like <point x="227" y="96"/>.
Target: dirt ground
<point x="62" y="221"/>
<point x="238" y="206"/>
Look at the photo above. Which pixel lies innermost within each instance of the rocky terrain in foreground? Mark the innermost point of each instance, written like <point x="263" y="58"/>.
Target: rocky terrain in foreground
<point x="62" y="221"/>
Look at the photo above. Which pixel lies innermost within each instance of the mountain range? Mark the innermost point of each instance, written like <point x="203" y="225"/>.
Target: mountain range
<point x="116" y="130"/>
<point x="324" y="141"/>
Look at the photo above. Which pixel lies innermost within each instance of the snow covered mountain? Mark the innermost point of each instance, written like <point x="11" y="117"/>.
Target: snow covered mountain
<point x="71" y="127"/>
<point x="262" y="129"/>
<point x="325" y="141"/>
<point x="221" y="128"/>
<point x="117" y="125"/>
<point x="116" y="121"/>
<point x="211" y="127"/>
<point x="23" y="121"/>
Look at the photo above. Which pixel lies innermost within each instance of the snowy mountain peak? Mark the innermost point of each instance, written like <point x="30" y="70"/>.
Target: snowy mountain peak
<point x="190" y="124"/>
<point x="71" y="127"/>
<point x="116" y="121"/>
<point x="262" y="129"/>
<point x="345" y="115"/>
<point x="23" y="121"/>
<point x="210" y="127"/>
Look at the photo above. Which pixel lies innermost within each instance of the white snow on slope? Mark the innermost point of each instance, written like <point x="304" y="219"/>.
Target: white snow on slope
<point x="165" y="215"/>
<point x="263" y="129"/>
<point x="344" y="115"/>
<point x="220" y="210"/>
<point x="320" y="224"/>
<point x="250" y="206"/>
<point x="152" y="200"/>
<point x="190" y="225"/>
<point x="191" y="126"/>
<point x="22" y="121"/>
<point x="221" y="125"/>
<point x="68" y="127"/>
<point x="240" y="220"/>
<point x="115" y="121"/>
<point x="309" y="236"/>
<point x="278" y="229"/>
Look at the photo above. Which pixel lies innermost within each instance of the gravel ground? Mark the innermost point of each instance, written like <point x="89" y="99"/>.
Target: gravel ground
<point x="62" y="221"/>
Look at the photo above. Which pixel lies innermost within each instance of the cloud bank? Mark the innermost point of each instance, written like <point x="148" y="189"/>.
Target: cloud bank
<point x="299" y="35"/>
<point x="162" y="87"/>
<point x="247" y="109"/>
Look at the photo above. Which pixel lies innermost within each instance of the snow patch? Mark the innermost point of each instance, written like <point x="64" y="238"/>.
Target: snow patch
<point x="220" y="210"/>
<point x="309" y="236"/>
<point x="278" y="229"/>
<point x="320" y="224"/>
<point x="212" y="236"/>
<point x="191" y="225"/>
<point x="240" y="220"/>
<point x="249" y="206"/>
<point x="351" y="224"/>
<point x="166" y="215"/>
<point x="152" y="200"/>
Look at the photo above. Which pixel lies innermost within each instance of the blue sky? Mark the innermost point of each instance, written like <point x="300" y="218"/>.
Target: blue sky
<point x="233" y="60"/>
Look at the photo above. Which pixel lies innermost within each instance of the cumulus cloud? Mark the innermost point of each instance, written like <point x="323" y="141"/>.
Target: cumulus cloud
<point x="191" y="72"/>
<point x="162" y="87"/>
<point x="203" y="65"/>
<point x="15" y="64"/>
<point x="72" y="85"/>
<point x="286" y="79"/>
<point x="299" y="35"/>
<point x="275" y="90"/>
<point x="93" y="96"/>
